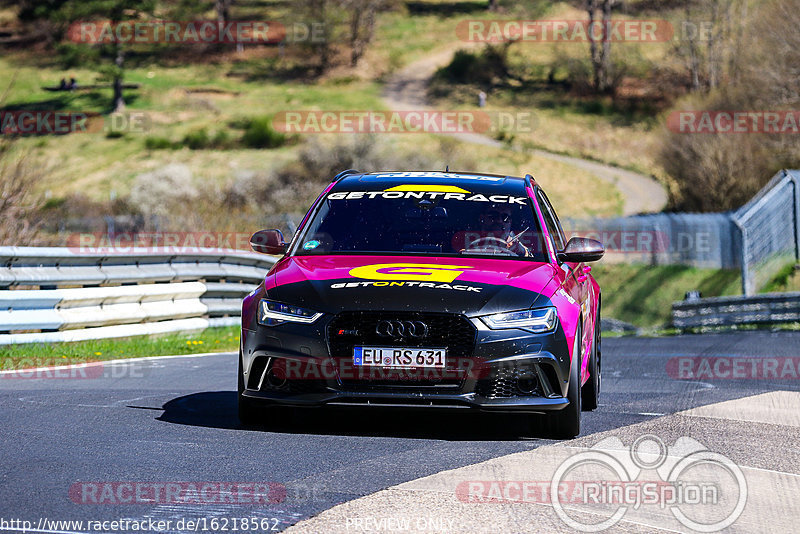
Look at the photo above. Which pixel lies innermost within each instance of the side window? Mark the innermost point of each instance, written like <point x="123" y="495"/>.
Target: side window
<point x="550" y="219"/>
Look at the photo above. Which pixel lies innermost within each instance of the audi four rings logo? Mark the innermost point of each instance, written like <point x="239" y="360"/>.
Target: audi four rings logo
<point x="413" y="329"/>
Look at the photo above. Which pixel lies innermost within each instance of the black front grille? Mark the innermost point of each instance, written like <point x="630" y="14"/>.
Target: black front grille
<point x="359" y="328"/>
<point x="510" y="381"/>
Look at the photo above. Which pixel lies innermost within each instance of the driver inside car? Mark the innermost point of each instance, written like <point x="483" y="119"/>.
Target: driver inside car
<point x="496" y="231"/>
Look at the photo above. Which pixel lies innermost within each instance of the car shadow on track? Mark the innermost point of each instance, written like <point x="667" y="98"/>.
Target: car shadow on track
<point x="218" y="409"/>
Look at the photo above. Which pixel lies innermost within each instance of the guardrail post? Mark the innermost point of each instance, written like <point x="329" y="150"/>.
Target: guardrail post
<point x="746" y="278"/>
<point x="796" y="193"/>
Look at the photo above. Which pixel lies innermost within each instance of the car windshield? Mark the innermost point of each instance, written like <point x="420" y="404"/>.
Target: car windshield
<point x="424" y="223"/>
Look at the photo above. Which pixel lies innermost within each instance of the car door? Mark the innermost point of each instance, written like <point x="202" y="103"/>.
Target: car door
<point x="575" y="280"/>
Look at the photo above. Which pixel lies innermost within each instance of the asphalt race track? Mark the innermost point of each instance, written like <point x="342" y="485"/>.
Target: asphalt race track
<point x="70" y="443"/>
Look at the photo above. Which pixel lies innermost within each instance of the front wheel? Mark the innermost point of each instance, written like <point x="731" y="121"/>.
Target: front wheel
<point x="591" y="390"/>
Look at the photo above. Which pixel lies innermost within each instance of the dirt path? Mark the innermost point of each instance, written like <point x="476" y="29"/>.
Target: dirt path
<point x="406" y="90"/>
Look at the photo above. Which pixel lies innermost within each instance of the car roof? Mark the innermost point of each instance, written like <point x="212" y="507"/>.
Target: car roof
<point x="354" y="180"/>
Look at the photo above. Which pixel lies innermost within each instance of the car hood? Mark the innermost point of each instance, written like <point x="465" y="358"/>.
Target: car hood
<point x="469" y="286"/>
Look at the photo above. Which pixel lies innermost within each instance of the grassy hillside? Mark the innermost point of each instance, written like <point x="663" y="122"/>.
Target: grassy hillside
<point x="643" y="295"/>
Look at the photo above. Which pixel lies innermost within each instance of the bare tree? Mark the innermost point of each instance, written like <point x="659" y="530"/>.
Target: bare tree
<point x="711" y="40"/>
<point x="600" y="13"/>
<point x="719" y="171"/>
<point x="362" y="25"/>
<point x="324" y="15"/>
<point x="19" y="200"/>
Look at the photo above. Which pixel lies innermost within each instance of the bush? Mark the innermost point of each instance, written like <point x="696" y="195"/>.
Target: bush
<point x="197" y="139"/>
<point x="72" y="55"/>
<point x="486" y="67"/>
<point x="221" y="140"/>
<point x="294" y="186"/>
<point x="716" y="171"/>
<point x="163" y="191"/>
<point x="158" y="143"/>
<point x="260" y="134"/>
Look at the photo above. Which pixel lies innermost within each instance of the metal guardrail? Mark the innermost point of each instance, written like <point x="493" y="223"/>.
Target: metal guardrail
<point x="760" y="238"/>
<point x="769" y="225"/>
<point x="58" y="294"/>
<point x="769" y="308"/>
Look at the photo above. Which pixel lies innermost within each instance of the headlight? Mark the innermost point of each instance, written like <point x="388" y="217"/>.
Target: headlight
<point x="272" y="313"/>
<point x="537" y="321"/>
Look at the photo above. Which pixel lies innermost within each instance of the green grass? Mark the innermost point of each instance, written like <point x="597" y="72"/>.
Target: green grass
<point x="184" y="97"/>
<point x="643" y="295"/>
<point x="224" y="339"/>
<point x="787" y="279"/>
<point x="178" y="102"/>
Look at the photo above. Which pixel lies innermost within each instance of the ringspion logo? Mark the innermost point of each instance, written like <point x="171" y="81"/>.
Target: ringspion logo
<point x="703" y="490"/>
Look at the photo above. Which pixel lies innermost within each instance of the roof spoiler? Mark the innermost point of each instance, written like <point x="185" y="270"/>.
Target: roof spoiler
<point x="344" y="173"/>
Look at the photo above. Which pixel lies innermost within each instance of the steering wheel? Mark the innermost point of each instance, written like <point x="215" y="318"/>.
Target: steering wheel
<point x="493" y="245"/>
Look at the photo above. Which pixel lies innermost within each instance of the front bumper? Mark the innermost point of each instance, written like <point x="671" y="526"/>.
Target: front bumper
<point x="505" y="371"/>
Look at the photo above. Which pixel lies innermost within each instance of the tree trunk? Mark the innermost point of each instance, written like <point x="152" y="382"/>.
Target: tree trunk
<point x="591" y="6"/>
<point x="713" y="43"/>
<point x="362" y="27"/>
<point x="694" y="57"/>
<point x="223" y="8"/>
<point x="119" y="102"/>
<point x="600" y="52"/>
<point x="606" y="56"/>
<point x="355" y="26"/>
<point x="324" y="47"/>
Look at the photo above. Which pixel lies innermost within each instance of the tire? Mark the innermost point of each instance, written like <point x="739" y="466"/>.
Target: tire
<point x="591" y="390"/>
<point x="566" y="423"/>
<point x="248" y="414"/>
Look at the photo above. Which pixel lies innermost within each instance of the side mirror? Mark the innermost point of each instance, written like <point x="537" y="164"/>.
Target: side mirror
<point x="581" y="249"/>
<point x="268" y="242"/>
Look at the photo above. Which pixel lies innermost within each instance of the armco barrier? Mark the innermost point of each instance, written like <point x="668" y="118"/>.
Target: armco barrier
<point x="768" y="308"/>
<point x="71" y="296"/>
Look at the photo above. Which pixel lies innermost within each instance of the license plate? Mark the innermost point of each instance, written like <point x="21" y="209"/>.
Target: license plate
<point x="399" y="357"/>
